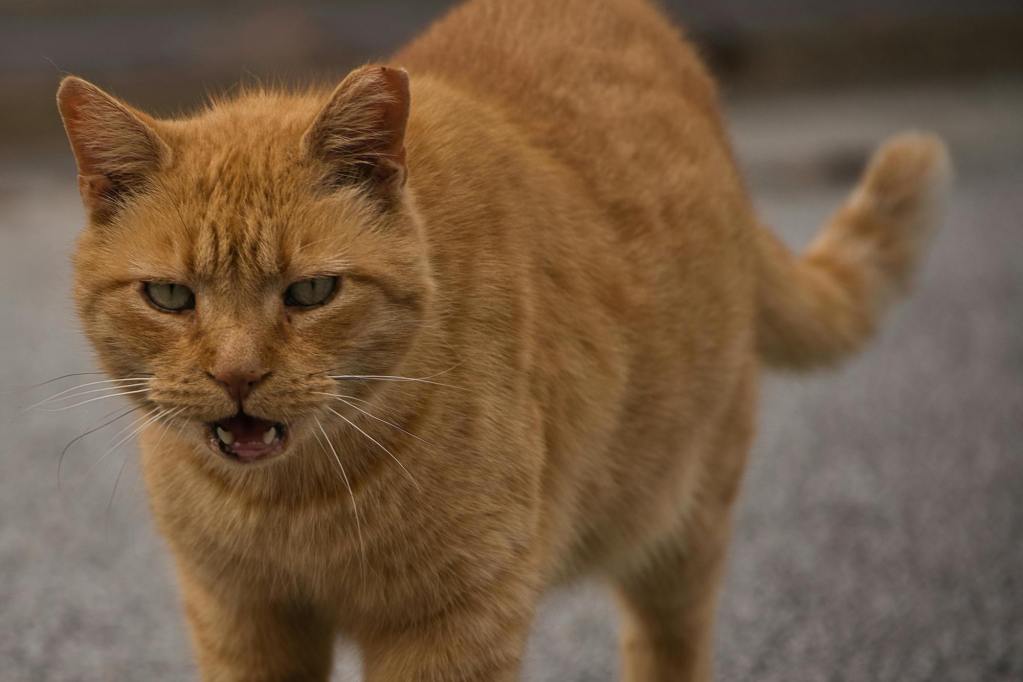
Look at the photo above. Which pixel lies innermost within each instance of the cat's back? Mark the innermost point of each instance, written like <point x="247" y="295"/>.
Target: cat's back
<point x="608" y="86"/>
<point x="641" y="229"/>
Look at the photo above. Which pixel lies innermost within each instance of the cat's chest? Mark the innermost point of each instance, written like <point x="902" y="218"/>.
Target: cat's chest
<point x="349" y="549"/>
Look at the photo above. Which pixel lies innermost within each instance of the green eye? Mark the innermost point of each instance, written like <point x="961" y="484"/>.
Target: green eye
<point x="170" y="297"/>
<point x="310" y="292"/>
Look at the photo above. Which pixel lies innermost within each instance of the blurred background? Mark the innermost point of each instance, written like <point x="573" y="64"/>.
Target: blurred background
<point x="880" y="534"/>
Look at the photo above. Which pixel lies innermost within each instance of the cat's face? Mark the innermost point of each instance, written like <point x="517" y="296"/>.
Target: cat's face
<point x="236" y="262"/>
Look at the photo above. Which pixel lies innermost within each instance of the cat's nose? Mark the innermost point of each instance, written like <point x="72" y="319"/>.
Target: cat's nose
<point x="239" y="382"/>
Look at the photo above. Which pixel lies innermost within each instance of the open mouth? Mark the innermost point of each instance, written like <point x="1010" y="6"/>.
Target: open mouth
<point x="244" y="438"/>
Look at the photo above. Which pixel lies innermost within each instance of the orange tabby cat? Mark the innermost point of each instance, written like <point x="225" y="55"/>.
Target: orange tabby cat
<point x="416" y="350"/>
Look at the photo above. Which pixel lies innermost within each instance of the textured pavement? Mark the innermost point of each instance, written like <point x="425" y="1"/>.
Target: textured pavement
<point x="880" y="533"/>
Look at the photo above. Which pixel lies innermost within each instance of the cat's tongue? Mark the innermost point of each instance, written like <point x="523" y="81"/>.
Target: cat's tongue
<point x="248" y="438"/>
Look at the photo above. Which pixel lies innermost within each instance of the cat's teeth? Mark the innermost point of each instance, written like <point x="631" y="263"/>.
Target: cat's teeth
<point x="269" y="435"/>
<point x="225" y="436"/>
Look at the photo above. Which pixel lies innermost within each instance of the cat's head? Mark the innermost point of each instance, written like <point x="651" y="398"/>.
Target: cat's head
<point x="235" y="261"/>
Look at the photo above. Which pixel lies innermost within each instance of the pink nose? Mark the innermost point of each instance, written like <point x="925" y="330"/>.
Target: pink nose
<point x="239" y="383"/>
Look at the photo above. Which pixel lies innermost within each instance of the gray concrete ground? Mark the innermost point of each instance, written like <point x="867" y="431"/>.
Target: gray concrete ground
<point x="880" y="535"/>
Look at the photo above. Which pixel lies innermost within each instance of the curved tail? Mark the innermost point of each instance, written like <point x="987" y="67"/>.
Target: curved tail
<point x="819" y="307"/>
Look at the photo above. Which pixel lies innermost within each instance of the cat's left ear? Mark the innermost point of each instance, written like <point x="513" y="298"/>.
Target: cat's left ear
<point x="115" y="146"/>
<point x="360" y="133"/>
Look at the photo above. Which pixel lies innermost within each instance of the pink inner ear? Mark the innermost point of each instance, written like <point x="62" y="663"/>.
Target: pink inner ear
<point x="73" y="102"/>
<point x="394" y="112"/>
<point x="94" y="189"/>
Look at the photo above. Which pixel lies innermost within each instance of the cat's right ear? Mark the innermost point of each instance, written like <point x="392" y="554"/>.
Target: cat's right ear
<point x="115" y="146"/>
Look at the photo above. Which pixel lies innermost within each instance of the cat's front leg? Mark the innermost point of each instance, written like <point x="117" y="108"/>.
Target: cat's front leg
<point x="242" y="637"/>
<point x="481" y="642"/>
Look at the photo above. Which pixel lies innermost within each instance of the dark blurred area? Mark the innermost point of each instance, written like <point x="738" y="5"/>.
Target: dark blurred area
<point x="165" y="56"/>
<point x="879" y="537"/>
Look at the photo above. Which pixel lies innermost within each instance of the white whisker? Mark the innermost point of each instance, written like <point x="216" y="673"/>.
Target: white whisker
<point x="357" y="399"/>
<point x="351" y="493"/>
<point x="346" y="398"/>
<point x="182" y="423"/>
<point x="67" y="395"/>
<point x="387" y="376"/>
<point x="169" y="414"/>
<point x="93" y="383"/>
<point x="151" y="418"/>
<point x="443" y="371"/>
<point x="66" y="376"/>
<point x="377" y="443"/>
<point x="387" y="410"/>
<point x="60" y="461"/>
<point x="383" y="377"/>
<point x="130" y="425"/>
<point x="102" y="397"/>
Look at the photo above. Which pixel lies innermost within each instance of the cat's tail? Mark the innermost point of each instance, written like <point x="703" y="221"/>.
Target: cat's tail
<point x="819" y="307"/>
